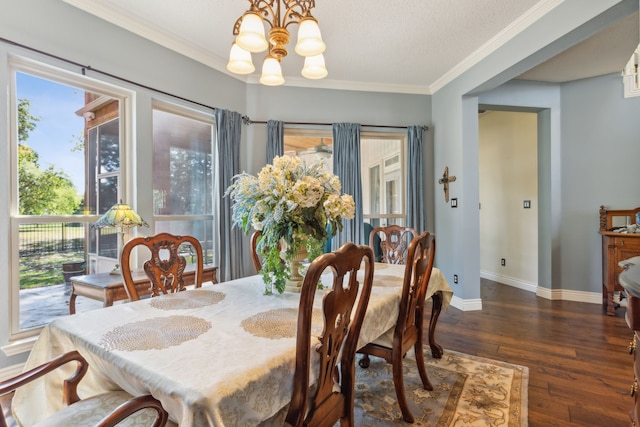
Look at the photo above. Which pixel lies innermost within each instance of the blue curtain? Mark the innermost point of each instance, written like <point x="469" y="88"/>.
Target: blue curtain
<point x="346" y="165"/>
<point x="416" y="217"/>
<point x="275" y="139"/>
<point x="228" y="132"/>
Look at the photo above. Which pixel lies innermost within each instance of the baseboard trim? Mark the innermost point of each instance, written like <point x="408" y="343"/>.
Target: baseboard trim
<point x="569" y="295"/>
<point x="506" y="280"/>
<point x="542" y="292"/>
<point x="466" y="304"/>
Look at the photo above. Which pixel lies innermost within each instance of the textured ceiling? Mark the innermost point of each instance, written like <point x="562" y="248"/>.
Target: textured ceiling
<point x="370" y="44"/>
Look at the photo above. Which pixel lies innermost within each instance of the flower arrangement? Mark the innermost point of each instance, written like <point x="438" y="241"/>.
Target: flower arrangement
<point x="289" y="201"/>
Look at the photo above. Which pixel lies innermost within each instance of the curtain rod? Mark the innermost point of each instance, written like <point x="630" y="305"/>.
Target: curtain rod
<point x="248" y="121"/>
<point x="85" y="68"/>
<point x="245" y="119"/>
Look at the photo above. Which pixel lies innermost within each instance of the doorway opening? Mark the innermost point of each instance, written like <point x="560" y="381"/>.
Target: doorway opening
<point x="508" y="194"/>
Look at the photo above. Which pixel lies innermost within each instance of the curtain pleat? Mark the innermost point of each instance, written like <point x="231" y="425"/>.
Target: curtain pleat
<point x="275" y="139"/>
<point x="346" y="165"/>
<point x="228" y="125"/>
<point x="416" y="217"/>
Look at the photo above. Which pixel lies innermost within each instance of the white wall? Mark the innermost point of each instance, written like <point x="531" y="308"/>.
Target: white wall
<point x="508" y="146"/>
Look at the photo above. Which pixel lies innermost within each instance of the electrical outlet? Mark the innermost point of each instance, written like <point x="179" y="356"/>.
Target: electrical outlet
<point x="503" y="262"/>
<point x="527" y="204"/>
<point x="455" y="278"/>
<point x="454" y="203"/>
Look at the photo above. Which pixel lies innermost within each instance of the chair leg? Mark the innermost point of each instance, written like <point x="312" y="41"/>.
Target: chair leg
<point x="398" y="382"/>
<point x="436" y="349"/>
<point x="421" y="367"/>
<point x="364" y="362"/>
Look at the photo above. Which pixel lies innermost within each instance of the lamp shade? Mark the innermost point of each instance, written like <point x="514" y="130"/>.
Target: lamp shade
<point x="120" y="216"/>
<point x="309" y="38"/>
<point x="251" y="34"/>
<point x="271" y="72"/>
<point x="314" y="67"/>
<point x="240" y="61"/>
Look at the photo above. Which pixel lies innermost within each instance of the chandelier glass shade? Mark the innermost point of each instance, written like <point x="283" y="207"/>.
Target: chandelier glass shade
<point x="314" y="67"/>
<point x="271" y="72"/>
<point x="240" y="61"/>
<point x="249" y="30"/>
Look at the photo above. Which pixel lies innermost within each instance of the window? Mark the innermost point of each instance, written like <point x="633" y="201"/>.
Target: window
<point x="68" y="167"/>
<point x="103" y="161"/>
<point x="65" y="149"/>
<point x="382" y="168"/>
<point x="183" y="174"/>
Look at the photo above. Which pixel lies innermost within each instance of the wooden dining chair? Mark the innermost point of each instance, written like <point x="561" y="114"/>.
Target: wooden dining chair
<point x="257" y="262"/>
<point x="332" y="396"/>
<point x="407" y="333"/>
<point x="107" y="409"/>
<point x="165" y="265"/>
<point x="255" y="256"/>
<point x="393" y="241"/>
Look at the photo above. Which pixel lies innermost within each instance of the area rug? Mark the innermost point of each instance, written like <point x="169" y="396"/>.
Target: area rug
<point x="467" y="391"/>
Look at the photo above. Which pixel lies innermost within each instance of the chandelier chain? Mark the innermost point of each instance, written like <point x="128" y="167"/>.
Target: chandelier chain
<point x="295" y="11"/>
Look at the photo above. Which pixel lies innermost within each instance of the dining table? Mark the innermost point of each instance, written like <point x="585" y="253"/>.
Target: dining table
<point x="220" y="355"/>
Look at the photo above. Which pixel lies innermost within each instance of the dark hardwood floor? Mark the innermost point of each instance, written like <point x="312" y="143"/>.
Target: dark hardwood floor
<point x="580" y="369"/>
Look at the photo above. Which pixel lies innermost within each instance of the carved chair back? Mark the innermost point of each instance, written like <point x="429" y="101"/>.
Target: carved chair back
<point x="255" y="256"/>
<point x="106" y="409"/>
<point x="394" y="241"/>
<point x="257" y="262"/>
<point x="407" y="332"/>
<point x="165" y="265"/>
<point x="332" y="398"/>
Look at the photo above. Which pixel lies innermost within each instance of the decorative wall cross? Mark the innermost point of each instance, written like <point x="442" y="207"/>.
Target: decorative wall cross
<point x="446" y="179"/>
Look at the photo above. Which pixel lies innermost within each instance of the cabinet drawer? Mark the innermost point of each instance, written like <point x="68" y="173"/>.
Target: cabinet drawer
<point x="631" y="243"/>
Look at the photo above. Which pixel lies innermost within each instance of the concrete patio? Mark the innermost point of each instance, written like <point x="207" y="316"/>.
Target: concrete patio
<point x="39" y="306"/>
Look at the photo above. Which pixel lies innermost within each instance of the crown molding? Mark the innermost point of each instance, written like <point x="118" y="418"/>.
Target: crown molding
<point x="162" y="38"/>
<point x="348" y="85"/>
<point x="170" y="41"/>
<point x="509" y="32"/>
<point x="205" y="57"/>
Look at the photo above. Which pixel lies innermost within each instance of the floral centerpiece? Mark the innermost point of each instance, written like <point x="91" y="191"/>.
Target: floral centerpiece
<point x="295" y="205"/>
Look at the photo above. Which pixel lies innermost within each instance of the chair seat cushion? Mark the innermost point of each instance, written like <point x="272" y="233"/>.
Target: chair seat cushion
<point x="386" y="339"/>
<point x="87" y="412"/>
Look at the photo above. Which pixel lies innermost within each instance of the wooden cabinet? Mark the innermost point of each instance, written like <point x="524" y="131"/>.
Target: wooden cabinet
<point x="615" y="248"/>
<point x="630" y="280"/>
<point x="634" y="414"/>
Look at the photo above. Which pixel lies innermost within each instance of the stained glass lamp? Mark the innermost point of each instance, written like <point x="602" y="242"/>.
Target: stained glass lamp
<point x="121" y="217"/>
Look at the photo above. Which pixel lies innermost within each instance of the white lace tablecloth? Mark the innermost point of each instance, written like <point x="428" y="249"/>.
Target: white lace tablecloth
<point x="222" y="355"/>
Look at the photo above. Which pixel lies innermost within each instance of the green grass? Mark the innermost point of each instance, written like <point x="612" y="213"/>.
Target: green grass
<point x="45" y="270"/>
<point x="43" y="250"/>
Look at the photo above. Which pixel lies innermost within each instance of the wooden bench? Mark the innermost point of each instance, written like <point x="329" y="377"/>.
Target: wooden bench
<point x="109" y="288"/>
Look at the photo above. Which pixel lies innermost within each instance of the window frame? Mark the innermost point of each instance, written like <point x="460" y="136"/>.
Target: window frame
<point x="204" y="117"/>
<point x="365" y="169"/>
<point x="39" y="69"/>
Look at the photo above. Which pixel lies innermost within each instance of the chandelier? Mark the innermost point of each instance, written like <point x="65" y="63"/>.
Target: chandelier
<point x="249" y="30"/>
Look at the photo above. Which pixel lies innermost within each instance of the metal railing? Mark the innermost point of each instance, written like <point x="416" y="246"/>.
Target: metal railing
<point x="44" y="239"/>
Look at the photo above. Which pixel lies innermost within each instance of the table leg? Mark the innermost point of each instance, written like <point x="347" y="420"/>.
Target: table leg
<point x="436" y="349"/>
<point x="108" y="298"/>
<point x="72" y="302"/>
